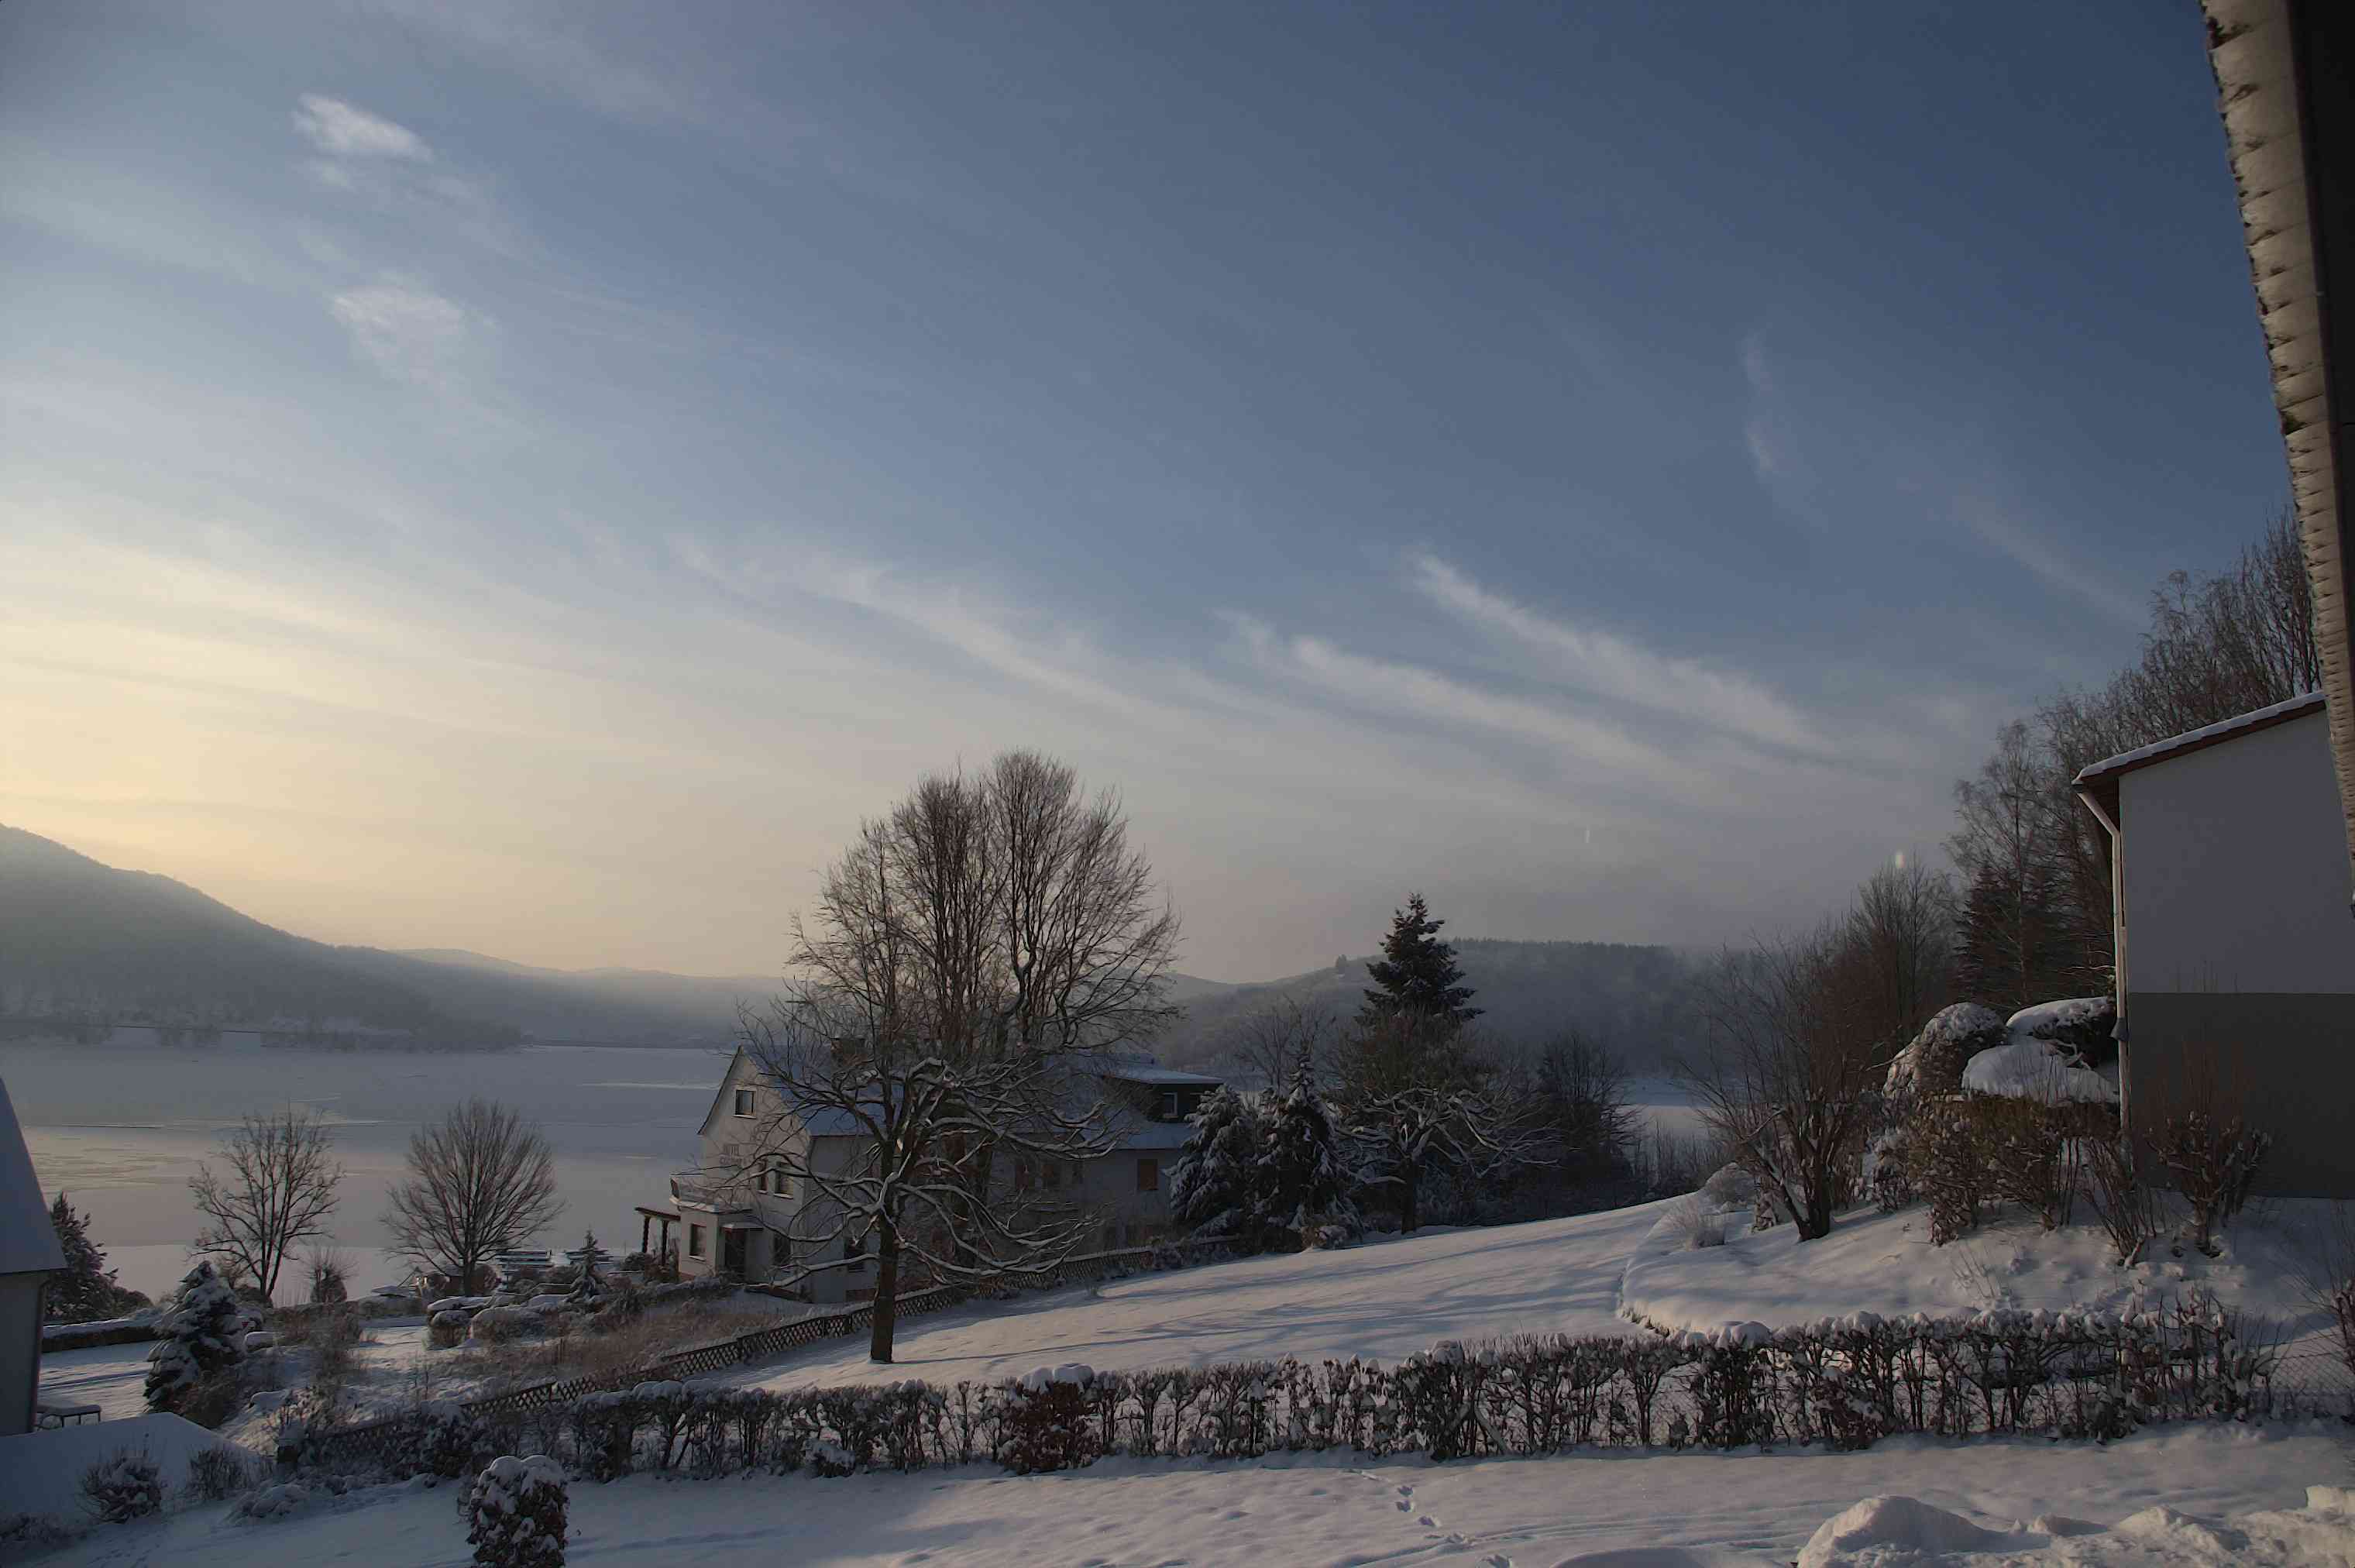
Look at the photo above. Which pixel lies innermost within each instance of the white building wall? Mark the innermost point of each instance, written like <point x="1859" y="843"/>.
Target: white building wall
<point x="2236" y="869"/>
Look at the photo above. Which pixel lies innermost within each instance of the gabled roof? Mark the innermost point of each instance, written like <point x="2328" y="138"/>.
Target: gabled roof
<point x="2100" y="781"/>
<point x="28" y="1242"/>
<point x="1159" y="1076"/>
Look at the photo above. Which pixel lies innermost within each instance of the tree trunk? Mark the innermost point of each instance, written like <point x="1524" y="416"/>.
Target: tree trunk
<point x="1409" y="1194"/>
<point x="1815" y="1219"/>
<point x="887" y="1292"/>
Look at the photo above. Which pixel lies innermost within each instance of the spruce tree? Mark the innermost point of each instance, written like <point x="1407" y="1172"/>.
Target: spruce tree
<point x="1417" y="973"/>
<point x="86" y="1289"/>
<point x="204" y="1330"/>
<point x="1217" y="1188"/>
<point x="1304" y="1175"/>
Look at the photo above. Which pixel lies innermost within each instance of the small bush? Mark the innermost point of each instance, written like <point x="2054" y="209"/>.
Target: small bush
<point x="218" y="1473"/>
<point x="516" y="1514"/>
<point x="124" y="1486"/>
<point x="33" y="1531"/>
<point x="2119" y="1197"/>
<point x="330" y="1273"/>
<point x="2214" y="1158"/>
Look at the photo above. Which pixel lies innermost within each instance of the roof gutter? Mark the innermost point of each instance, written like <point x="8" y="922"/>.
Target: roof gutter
<point x="2286" y="87"/>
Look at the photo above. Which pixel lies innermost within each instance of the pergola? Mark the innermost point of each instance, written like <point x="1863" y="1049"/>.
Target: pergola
<point x="2286" y="87"/>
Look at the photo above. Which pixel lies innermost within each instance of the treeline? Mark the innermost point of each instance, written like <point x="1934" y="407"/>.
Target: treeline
<point x="2034" y="865"/>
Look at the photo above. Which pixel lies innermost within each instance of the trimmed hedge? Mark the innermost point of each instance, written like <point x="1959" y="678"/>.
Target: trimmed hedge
<point x="1844" y="1385"/>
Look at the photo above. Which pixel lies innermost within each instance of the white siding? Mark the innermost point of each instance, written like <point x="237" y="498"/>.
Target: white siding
<point x="2236" y="869"/>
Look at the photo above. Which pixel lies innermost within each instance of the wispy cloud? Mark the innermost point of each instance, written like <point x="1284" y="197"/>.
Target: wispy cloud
<point x="2046" y="561"/>
<point x="341" y="131"/>
<point x="1771" y="437"/>
<point x="1612" y="666"/>
<point x="408" y="331"/>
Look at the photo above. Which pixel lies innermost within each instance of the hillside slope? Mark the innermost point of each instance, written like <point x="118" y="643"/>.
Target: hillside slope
<point x="78" y="937"/>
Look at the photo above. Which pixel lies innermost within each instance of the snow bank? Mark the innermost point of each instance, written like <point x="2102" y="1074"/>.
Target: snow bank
<point x="41" y="1472"/>
<point x="1885" y="1533"/>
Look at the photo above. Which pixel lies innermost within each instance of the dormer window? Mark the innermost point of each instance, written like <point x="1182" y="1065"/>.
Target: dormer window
<point x="743" y="1101"/>
<point x="1171" y="1106"/>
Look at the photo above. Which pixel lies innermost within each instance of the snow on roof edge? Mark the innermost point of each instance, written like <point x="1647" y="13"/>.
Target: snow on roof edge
<point x="2126" y="762"/>
<point x="28" y="1242"/>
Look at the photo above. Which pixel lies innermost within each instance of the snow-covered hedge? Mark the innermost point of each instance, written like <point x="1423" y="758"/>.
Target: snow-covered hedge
<point x="1845" y="1383"/>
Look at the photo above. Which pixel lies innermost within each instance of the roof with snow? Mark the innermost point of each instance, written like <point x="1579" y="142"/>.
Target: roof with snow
<point x="28" y="1242"/>
<point x="1160" y="1077"/>
<point x="2101" y="779"/>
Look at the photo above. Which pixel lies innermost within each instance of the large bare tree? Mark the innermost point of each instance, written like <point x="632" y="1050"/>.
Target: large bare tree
<point x="480" y="1181"/>
<point x="965" y="960"/>
<point x="1415" y="1095"/>
<point x="277" y="1192"/>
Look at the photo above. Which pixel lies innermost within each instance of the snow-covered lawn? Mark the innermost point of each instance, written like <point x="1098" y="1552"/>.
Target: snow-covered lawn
<point x="1659" y="1510"/>
<point x="1386" y="1300"/>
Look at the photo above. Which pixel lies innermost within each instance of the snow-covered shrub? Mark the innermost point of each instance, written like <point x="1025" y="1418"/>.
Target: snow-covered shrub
<point x="1934" y="1062"/>
<point x="2121" y="1200"/>
<point x="1946" y="1164"/>
<point x="124" y="1484"/>
<point x="1729" y="1187"/>
<point x="446" y="1330"/>
<point x="2036" y="1151"/>
<point x="1044" y="1424"/>
<point x="203" y="1329"/>
<point x="2083" y="1026"/>
<point x="275" y="1500"/>
<point x="1216" y="1188"/>
<point x="452" y="1441"/>
<point x="33" y="1531"/>
<point x="516" y="1513"/>
<point x="2215" y="1163"/>
<point x="217" y="1472"/>
<point x="830" y="1458"/>
<point x="1698" y="1224"/>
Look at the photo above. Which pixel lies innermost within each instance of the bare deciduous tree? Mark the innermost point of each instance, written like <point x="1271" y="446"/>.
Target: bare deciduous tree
<point x="1901" y="944"/>
<point x="1786" y="1086"/>
<point x="277" y="1192"/>
<point x="965" y="958"/>
<point x="1414" y="1094"/>
<point x="480" y="1181"/>
<point x="1267" y="1042"/>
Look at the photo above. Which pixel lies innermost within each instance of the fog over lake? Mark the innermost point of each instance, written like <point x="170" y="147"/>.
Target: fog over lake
<point x="121" y="1127"/>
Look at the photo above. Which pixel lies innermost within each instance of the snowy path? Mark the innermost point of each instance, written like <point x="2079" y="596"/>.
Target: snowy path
<point x="1680" y="1511"/>
<point x="1386" y="1300"/>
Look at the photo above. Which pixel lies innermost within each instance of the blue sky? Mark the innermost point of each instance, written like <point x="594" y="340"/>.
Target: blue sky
<point x="532" y="476"/>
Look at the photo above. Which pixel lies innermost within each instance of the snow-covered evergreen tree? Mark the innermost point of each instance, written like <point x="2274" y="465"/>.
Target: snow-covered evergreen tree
<point x="516" y="1513"/>
<point x="1218" y="1189"/>
<point x="1417" y="973"/>
<point x="86" y="1289"/>
<point x="1305" y="1176"/>
<point x="204" y="1327"/>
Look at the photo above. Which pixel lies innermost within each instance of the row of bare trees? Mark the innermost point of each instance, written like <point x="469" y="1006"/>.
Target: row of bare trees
<point x="479" y="1181"/>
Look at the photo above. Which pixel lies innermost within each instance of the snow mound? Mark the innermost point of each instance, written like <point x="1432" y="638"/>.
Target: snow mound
<point x="1905" y="1532"/>
<point x="41" y="1472"/>
<point x="1897" y="1530"/>
<point x="2032" y="1069"/>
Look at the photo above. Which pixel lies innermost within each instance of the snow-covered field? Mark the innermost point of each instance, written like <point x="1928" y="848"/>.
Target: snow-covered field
<point x="1628" y="1512"/>
<point x="1386" y="1300"/>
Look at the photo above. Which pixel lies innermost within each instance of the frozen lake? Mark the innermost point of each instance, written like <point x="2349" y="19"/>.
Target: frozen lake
<point x="121" y="1127"/>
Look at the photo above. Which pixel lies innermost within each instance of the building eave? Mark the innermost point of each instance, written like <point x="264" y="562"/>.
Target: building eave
<point x="2285" y="88"/>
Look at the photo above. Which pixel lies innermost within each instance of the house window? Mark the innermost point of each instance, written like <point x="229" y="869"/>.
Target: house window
<point x="1171" y="1109"/>
<point x="855" y="1256"/>
<point x="1053" y="1171"/>
<point x="695" y="1242"/>
<point x="774" y="1179"/>
<point x="743" y="1101"/>
<point x="1021" y="1175"/>
<point x="1148" y="1176"/>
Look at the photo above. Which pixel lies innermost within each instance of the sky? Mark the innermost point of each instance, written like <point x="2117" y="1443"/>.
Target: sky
<point x="531" y="477"/>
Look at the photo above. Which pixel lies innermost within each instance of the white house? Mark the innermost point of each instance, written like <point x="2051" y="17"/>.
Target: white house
<point x="2235" y="950"/>
<point x="737" y="1213"/>
<point x="29" y="1254"/>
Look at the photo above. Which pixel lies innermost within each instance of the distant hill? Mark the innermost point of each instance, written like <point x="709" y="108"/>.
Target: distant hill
<point x="77" y="937"/>
<point x="1638" y="1001"/>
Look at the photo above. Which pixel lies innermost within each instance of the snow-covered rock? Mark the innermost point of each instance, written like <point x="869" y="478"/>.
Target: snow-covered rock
<point x="1934" y="1062"/>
